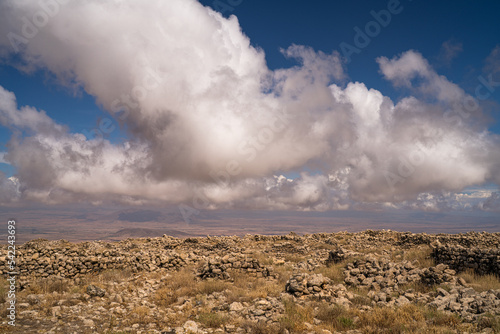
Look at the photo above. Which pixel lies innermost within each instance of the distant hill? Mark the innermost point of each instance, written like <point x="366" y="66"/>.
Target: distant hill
<point x="145" y="233"/>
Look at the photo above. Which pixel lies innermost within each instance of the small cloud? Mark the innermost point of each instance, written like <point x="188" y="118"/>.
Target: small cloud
<point x="492" y="203"/>
<point x="449" y="51"/>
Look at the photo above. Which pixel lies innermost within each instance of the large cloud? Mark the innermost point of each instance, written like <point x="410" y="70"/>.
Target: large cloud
<point x="210" y="125"/>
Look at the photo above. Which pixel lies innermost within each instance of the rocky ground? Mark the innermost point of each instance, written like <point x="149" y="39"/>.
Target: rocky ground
<point x="366" y="282"/>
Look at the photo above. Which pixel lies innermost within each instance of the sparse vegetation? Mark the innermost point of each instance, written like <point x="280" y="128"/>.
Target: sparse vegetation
<point x="213" y="320"/>
<point x="295" y="316"/>
<point x="335" y="317"/>
<point x="490" y="321"/>
<point x="421" y="256"/>
<point x="294" y="258"/>
<point x="257" y="294"/>
<point x="481" y="282"/>
<point x="335" y="272"/>
<point x="140" y="314"/>
<point x="3" y="290"/>
<point x="260" y="327"/>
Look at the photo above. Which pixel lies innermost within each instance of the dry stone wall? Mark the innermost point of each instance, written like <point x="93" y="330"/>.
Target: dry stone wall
<point x="482" y="260"/>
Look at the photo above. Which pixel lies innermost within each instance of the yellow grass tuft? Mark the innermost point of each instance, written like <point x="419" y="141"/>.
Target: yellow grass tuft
<point x="481" y="282"/>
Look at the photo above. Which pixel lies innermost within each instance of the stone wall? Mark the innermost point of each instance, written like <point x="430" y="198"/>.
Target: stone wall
<point x="43" y="258"/>
<point x="482" y="260"/>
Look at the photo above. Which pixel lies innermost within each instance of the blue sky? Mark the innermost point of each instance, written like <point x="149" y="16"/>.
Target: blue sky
<point x="421" y="47"/>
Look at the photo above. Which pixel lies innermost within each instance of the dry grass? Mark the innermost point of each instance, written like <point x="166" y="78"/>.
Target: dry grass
<point x="264" y="259"/>
<point x="213" y="320"/>
<point x="4" y="288"/>
<point x="295" y="316"/>
<point x="246" y="289"/>
<point x="335" y="317"/>
<point x="115" y="275"/>
<point x="260" y="328"/>
<point x="324" y="246"/>
<point x="440" y="319"/>
<point x="420" y="255"/>
<point x="335" y="272"/>
<point x="140" y="315"/>
<point x="409" y="318"/>
<point x="283" y="272"/>
<point x="44" y="286"/>
<point x="418" y="286"/>
<point x="210" y="286"/>
<point x="361" y="300"/>
<point x="481" y="282"/>
<point x="184" y="284"/>
<point x="490" y="321"/>
<point x="178" y="284"/>
<point x="294" y="258"/>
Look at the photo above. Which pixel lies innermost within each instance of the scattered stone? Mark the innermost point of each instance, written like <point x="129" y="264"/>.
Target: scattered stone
<point x="190" y="327"/>
<point x="127" y="299"/>
<point x="95" y="291"/>
<point x="88" y="323"/>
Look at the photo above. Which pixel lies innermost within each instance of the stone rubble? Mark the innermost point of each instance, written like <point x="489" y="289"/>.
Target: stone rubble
<point x="372" y="276"/>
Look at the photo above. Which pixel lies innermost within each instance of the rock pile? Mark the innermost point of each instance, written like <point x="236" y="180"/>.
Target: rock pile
<point x="305" y="284"/>
<point x="380" y="273"/>
<point x="438" y="275"/>
<point x="468" y="303"/>
<point x="336" y="256"/>
<point x="267" y="310"/>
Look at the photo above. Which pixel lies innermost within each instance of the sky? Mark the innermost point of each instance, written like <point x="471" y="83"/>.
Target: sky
<point x="359" y="106"/>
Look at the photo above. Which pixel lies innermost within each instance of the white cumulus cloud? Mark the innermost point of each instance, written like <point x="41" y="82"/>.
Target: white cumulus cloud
<point x="212" y="126"/>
